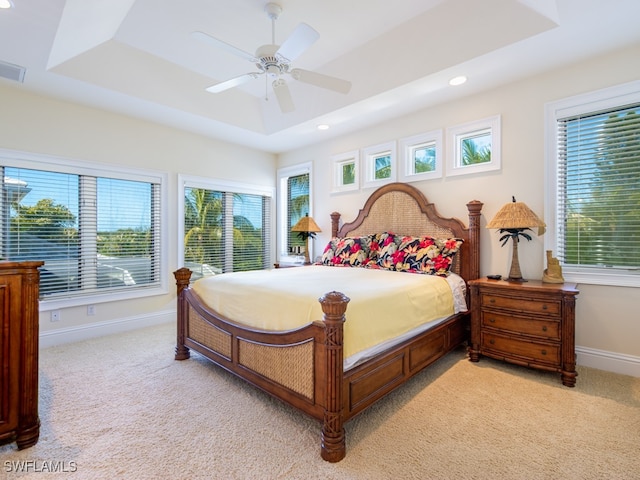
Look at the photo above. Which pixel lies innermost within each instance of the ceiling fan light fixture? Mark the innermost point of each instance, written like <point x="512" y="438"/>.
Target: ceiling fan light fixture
<point x="6" y="4"/>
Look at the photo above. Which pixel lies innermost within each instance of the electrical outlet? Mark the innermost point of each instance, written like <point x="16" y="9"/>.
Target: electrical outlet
<point x="91" y="309"/>
<point x="55" y="315"/>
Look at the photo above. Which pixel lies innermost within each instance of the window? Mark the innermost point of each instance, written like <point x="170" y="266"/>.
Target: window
<point x="422" y="156"/>
<point x="225" y="227"/>
<point x="294" y="202"/>
<point x="474" y="147"/>
<point x="594" y="176"/>
<point x="380" y="164"/>
<point x="345" y="172"/>
<point x="97" y="229"/>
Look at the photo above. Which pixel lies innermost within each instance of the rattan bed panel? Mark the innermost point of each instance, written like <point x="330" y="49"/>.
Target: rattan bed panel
<point x="398" y="212"/>
<point x="208" y="335"/>
<point x="290" y="366"/>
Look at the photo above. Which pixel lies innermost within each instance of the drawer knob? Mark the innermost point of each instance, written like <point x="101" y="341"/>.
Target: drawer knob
<point x="543" y="351"/>
<point x="544" y="306"/>
<point x="492" y="341"/>
<point x="492" y="300"/>
<point x="544" y="329"/>
<point x="492" y="320"/>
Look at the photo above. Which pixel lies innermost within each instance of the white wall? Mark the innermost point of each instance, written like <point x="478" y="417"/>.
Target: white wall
<point x="607" y="322"/>
<point x="36" y="124"/>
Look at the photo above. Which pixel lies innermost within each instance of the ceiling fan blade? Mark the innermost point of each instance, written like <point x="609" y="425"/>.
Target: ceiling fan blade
<point x="224" y="46"/>
<point x="302" y="38"/>
<point x="320" y="80"/>
<point x="283" y="95"/>
<point x="232" y="82"/>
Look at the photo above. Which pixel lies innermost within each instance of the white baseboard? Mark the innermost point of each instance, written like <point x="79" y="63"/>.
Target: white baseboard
<point x="608" y="361"/>
<point x="99" y="329"/>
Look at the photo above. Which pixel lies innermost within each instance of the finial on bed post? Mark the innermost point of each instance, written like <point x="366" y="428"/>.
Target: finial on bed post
<point x="334" y="306"/>
<point x="183" y="275"/>
<point x="474" y="207"/>
<point x="335" y="224"/>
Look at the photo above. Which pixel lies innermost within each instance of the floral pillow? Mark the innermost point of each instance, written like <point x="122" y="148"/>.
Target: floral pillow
<point x="421" y="255"/>
<point x="347" y="251"/>
<point x="383" y="247"/>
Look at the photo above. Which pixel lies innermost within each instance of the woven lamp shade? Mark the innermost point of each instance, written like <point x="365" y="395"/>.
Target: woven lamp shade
<point x="306" y="224"/>
<point x="516" y="215"/>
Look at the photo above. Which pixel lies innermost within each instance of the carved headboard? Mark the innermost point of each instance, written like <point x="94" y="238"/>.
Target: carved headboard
<point x="403" y="209"/>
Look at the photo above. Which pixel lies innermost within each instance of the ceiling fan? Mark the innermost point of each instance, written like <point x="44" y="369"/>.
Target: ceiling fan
<point x="274" y="61"/>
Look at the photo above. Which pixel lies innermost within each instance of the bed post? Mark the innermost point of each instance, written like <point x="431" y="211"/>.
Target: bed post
<point x="182" y="281"/>
<point x="335" y="221"/>
<point x="333" y="447"/>
<point x="474" y="207"/>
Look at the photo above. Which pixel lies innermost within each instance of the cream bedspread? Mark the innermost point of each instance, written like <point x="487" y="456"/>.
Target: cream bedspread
<point x="384" y="304"/>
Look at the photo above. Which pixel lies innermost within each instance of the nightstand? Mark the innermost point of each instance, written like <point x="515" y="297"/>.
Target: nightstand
<point x="526" y="323"/>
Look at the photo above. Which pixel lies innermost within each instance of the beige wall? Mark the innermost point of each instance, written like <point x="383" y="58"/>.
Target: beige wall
<point x="31" y="123"/>
<point x="607" y="317"/>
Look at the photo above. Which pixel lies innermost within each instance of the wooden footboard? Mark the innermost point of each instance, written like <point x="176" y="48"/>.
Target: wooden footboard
<point x="302" y="367"/>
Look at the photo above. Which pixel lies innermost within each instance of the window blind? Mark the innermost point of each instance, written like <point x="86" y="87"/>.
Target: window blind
<point x="226" y="231"/>
<point x="598" y="212"/>
<point x="95" y="234"/>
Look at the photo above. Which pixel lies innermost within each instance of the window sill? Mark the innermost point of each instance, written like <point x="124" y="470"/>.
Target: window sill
<point x="47" y="304"/>
<point x="598" y="277"/>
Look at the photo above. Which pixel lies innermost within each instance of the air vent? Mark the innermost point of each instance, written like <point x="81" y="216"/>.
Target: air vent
<point x="12" y="72"/>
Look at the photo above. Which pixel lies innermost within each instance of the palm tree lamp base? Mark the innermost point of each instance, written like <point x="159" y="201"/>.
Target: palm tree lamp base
<point x="514" y="272"/>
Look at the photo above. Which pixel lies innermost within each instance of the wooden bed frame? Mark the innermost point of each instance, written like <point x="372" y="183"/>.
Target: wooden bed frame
<point x="304" y="367"/>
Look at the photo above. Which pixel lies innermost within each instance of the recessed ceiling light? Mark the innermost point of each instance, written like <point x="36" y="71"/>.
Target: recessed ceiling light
<point x="6" y="4"/>
<point x="457" y="80"/>
<point x="323" y="126"/>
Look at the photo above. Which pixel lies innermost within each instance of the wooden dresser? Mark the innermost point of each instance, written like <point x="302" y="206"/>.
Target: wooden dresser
<point x="19" y="287"/>
<point x="527" y="323"/>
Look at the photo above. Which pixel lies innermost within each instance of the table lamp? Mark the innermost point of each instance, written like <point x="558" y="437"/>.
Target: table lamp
<point x="306" y="227"/>
<point x="512" y="220"/>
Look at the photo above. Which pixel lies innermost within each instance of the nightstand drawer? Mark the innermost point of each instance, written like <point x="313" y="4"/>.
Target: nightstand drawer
<point x="544" y="307"/>
<point x="522" y="325"/>
<point x="540" y="352"/>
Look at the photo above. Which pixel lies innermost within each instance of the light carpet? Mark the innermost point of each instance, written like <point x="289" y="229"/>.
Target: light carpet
<point x="120" y="407"/>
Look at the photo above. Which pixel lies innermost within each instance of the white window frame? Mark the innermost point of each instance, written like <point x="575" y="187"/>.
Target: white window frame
<point x="369" y="156"/>
<point x="408" y="147"/>
<point x="190" y="181"/>
<point x="18" y="159"/>
<point x="281" y="218"/>
<point x="603" y="99"/>
<point x="456" y="135"/>
<point x="339" y="161"/>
